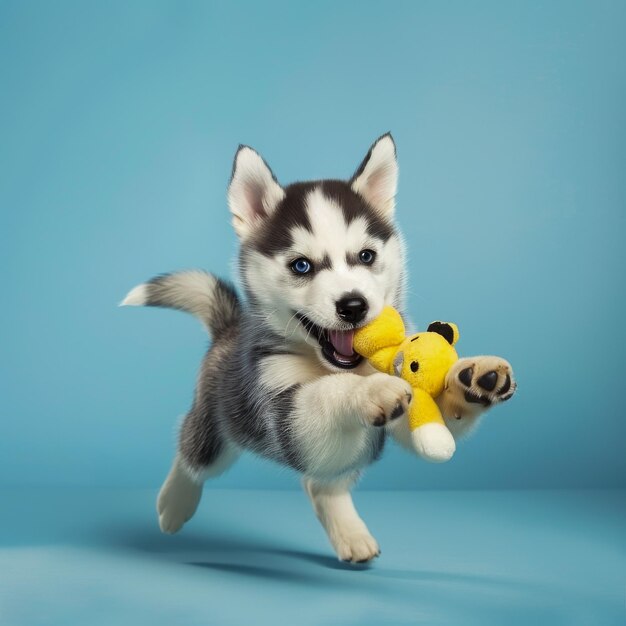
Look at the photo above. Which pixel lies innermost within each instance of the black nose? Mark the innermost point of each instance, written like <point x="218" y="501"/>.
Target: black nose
<point x="352" y="308"/>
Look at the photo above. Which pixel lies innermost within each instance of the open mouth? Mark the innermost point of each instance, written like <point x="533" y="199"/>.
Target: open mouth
<point x="336" y="344"/>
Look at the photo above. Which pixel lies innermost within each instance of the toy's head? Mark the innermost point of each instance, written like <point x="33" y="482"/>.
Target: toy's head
<point x="422" y="359"/>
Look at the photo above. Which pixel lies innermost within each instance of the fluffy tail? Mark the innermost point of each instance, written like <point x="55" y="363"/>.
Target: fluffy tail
<point x="212" y="300"/>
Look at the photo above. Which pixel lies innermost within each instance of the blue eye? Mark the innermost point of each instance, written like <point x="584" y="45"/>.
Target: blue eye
<point x="301" y="266"/>
<point x="367" y="256"/>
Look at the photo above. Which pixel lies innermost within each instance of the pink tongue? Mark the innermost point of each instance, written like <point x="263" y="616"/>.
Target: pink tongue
<point x="342" y="341"/>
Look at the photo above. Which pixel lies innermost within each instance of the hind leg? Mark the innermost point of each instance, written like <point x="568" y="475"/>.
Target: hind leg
<point x="347" y="532"/>
<point x="202" y="454"/>
<point x="178" y="498"/>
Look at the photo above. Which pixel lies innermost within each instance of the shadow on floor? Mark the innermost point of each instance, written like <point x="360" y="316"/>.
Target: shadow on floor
<point x="258" y="557"/>
<point x="249" y="556"/>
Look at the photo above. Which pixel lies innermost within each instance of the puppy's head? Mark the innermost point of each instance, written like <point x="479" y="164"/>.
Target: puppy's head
<point x="319" y="259"/>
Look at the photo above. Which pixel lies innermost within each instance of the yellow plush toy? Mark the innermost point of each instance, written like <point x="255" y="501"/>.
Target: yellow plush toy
<point x="423" y="360"/>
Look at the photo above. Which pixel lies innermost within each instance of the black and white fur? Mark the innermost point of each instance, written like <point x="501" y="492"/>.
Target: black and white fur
<point x="272" y="381"/>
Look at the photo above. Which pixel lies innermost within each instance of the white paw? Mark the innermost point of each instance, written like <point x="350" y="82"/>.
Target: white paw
<point x="177" y="501"/>
<point x="356" y="546"/>
<point x="386" y="398"/>
<point x="434" y="442"/>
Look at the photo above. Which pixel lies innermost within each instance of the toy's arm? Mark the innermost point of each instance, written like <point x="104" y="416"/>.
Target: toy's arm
<point x="423" y="410"/>
<point x="459" y="427"/>
<point x="424" y="430"/>
<point x="447" y="405"/>
<point x="378" y="340"/>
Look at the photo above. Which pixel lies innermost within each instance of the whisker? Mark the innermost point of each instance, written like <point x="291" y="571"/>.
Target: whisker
<point x="294" y="316"/>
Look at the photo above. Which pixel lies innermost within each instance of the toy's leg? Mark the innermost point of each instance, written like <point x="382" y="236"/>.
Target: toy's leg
<point x="202" y="454"/>
<point x="334" y="508"/>
<point x="430" y="436"/>
<point x="473" y="385"/>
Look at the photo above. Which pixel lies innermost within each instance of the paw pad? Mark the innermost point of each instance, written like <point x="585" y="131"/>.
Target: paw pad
<point x="476" y="399"/>
<point x="379" y="420"/>
<point x="397" y="412"/>
<point x="488" y="381"/>
<point x="465" y="376"/>
<point x="497" y="384"/>
<point x="506" y="386"/>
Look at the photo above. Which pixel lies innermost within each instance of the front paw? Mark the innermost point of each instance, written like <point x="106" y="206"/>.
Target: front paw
<point x="386" y="398"/>
<point x="477" y="383"/>
<point x="356" y="546"/>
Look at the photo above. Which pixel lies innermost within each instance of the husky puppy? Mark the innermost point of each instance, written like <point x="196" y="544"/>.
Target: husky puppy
<point x="317" y="260"/>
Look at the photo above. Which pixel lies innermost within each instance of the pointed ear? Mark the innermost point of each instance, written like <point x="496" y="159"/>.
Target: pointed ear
<point x="376" y="179"/>
<point x="448" y="330"/>
<point x="253" y="193"/>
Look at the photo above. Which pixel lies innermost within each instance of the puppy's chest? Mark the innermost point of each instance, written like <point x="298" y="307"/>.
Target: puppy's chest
<point x="340" y="451"/>
<point x="325" y="446"/>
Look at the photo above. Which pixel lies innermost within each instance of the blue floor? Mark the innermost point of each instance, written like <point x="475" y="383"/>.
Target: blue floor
<point x="250" y="557"/>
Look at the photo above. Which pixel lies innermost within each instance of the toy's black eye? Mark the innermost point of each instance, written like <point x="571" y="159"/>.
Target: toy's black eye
<point x="301" y="266"/>
<point x="414" y="366"/>
<point x="367" y="256"/>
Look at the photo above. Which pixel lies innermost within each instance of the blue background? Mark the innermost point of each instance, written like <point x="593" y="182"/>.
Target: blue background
<point x="118" y="124"/>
